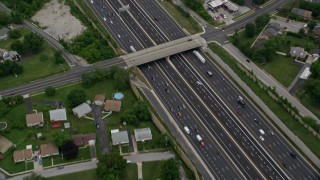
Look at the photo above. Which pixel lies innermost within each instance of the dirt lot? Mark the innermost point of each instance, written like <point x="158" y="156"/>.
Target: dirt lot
<point x="57" y="21"/>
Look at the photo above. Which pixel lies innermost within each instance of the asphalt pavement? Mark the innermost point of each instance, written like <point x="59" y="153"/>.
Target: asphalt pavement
<point x="101" y="128"/>
<point x="153" y="156"/>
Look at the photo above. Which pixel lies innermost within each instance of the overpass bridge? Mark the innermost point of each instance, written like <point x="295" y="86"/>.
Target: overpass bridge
<point x="164" y="50"/>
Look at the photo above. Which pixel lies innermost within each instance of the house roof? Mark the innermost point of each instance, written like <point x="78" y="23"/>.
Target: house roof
<point x="302" y="12"/>
<point x="58" y="115"/>
<point x="99" y="97"/>
<point x="82" y="110"/>
<point x="142" y="134"/>
<point x="316" y="30"/>
<point x="22" y="154"/>
<point x="82" y="139"/>
<point x="4" y="31"/>
<point x="112" y="105"/>
<point x="34" y="118"/>
<point x="121" y="137"/>
<point x="298" y="52"/>
<point x="275" y="26"/>
<point x="5" y="144"/>
<point x="48" y="149"/>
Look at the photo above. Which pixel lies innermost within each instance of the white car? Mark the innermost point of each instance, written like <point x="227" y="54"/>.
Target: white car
<point x="262" y="139"/>
<point x="261" y="132"/>
<point x="187" y="130"/>
<point x="91" y="1"/>
<point x="199" y="83"/>
<point x="104" y="18"/>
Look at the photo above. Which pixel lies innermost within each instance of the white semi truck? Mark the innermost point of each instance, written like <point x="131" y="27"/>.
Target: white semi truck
<point x="199" y="56"/>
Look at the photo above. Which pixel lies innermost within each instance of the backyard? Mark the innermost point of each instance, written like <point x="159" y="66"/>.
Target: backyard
<point x="282" y="68"/>
<point x="303" y="42"/>
<point x="31" y="63"/>
<point x="152" y="170"/>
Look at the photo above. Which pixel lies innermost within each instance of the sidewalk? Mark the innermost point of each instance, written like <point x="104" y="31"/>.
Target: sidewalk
<point x="145" y="157"/>
<point x="268" y="80"/>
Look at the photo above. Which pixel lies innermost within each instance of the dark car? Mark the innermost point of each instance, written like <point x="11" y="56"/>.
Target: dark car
<point x="293" y="155"/>
<point x="285" y="165"/>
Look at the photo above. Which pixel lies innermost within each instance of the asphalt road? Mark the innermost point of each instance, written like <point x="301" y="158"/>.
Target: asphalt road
<point x="101" y="128"/>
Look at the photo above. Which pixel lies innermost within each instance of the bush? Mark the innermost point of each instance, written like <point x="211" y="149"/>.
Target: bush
<point x="50" y="91"/>
<point x="14" y="34"/>
<point x="58" y="58"/>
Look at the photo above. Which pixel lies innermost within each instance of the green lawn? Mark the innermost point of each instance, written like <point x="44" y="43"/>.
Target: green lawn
<point x="187" y="23"/>
<point x="283" y="69"/>
<point x="132" y="172"/>
<point x="87" y="175"/>
<point x="152" y="170"/>
<point x="243" y="39"/>
<point x="306" y="100"/>
<point x="33" y="68"/>
<point x="308" y="139"/>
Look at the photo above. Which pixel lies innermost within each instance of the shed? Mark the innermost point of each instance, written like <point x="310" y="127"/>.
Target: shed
<point x="81" y="110"/>
<point x="99" y="99"/>
<point x="4" y="33"/>
<point x="34" y="119"/>
<point x="48" y="150"/>
<point x="120" y="137"/>
<point x="142" y="134"/>
<point x="112" y="105"/>
<point x="5" y="144"/>
<point x="58" y="115"/>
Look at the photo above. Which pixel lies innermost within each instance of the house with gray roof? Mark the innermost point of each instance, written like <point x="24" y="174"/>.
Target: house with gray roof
<point x="4" y="33"/>
<point x="119" y="137"/>
<point x="298" y="53"/>
<point x="58" y="115"/>
<point x="306" y="15"/>
<point x="142" y="134"/>
<point x="81" y="110"/>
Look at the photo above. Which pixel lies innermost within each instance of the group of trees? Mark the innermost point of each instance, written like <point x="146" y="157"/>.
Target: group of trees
<point x="66" y="146"/>
<point x="312" y="85"/>
<point x="91" y="46"/>
<point x="10" y="68"/>
<point x="170" y="169"/>
<point x="139" y="112"/>
<point x="197" y="6"/>
<point x="76" y="97"/>
<point x="32" y="42"/>
<point x="111" y="166"/>
<point x="240" y="2"/>
<point x="121" y="76"/>
<point x="6" y="19"/>
<point x="6" y="104"/>
<point x="25" y="8"/>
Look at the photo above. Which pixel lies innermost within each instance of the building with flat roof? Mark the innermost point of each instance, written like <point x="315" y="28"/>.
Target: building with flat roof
<point x="34" y="119"/>
<point x="119" y="137"/>
<point x="222" y="3"/>
<point x="112" y="105"/>
<point x="81" y="110"/>
<point x="142" y="134"/>
<point x="22" y="155"/>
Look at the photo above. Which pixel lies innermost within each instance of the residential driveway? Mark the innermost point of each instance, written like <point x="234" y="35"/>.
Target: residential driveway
<point x="145" y="157"/>
<point x="102" y="135"/>
<point x="2" y="176"/>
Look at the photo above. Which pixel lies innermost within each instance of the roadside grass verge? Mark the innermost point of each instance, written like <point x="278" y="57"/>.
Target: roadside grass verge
<point x="308" y="102"/>
<point x="309" y="140"/>
<point x="152" y="170"/>
<point x="182" y="17"/>
<point x="87" y="175"/>
<point x="282" y="68"/>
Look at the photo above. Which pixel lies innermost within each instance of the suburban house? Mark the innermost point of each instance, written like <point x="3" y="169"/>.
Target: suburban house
<point x="5" y="144"/>
<point x="48" y="150"/>
<point x="4" y="33"/>
<point x="298" y="53"/>
<point x="35" y="119"/>
<point x="306" y="15"/>
<point x="142" y="134"/>
<point x="120" y="137"/>
<point x="273" y="29"/>
<point x="81" y="110"/>
<point x="83" y="139"/>
<point x="22" y="155"/>
<point x="99" y="99"/>
<point x="9" y="55"/>
<point x="112" y="105"/>
<point x="316" y="31"/>
<point x="57" y="116"/>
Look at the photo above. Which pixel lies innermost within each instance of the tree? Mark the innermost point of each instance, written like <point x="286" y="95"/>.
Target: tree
<point x="33" y="176"/>
<point x="250" y="30"/>
<point x="69" y="150"/>
<point x="170" y="169"/>
<point x="311" y="24"/>
<point x="60" y="138"/>
<point x="141" y="111"/>
<point x="302" y="32"/>
<point x="50" y="91"/>
<point x="17" y="45"/>
<point x="4" y="109"/>
<point x="76" y="97"/>
<point x="32" y="42"/>
<point x="16" y="17"/>
<point x="58" y="57"/>
<point x="10" y="67"/>
<point x="5" y="19"/>
<point x="315" y="70"/>
<point x="121" y="76"/>
<point x="111" y="163"/>
<point x="312" y="86"/>
<point x="129" y="117"/>
<point x="15" y="33"/>
<point x="261" y="21"/>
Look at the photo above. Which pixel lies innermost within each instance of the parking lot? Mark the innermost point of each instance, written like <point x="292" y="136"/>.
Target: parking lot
<point x="289" y="25"/>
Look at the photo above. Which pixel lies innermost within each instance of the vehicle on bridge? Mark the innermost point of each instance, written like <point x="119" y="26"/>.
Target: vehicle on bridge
<point x="199" y="56"/>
